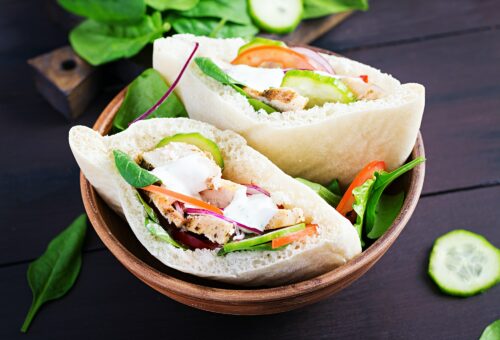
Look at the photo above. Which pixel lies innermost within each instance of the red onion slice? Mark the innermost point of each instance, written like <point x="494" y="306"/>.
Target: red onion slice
<point x="196" y="211"/>
<point x="179" y="207"/>
<point x="253" y="189"/>
<point x="316" y="59"/>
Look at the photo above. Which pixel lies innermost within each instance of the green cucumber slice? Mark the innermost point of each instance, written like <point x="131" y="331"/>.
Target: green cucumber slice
<point x="198" y="140"/>
<point x="463" y="263"/>
<point x="249" y="243"/>
<point x="276" y="16"/>
<point x="260" y="42"/>
<point x="320" y="89"/>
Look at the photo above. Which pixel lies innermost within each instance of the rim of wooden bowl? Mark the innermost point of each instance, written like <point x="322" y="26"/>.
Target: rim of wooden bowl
<point x="163" y="282"/>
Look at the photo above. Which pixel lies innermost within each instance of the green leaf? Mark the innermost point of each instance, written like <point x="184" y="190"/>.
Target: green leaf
<point x="334" y="187"/>
<point x="323" y="192"/>
<point x="107" y="11"/>
<point x="386" y="212"/>
<point x="361" y="195"/>
<point x="320" y="8"/>
<point x="212" y="27"/>
<point x="232" y="10"/>
<point x="181" y="5"/>
<point x="131" y="172"/>
<point x="99" y="43"/>
<point x="492" y="332"/>
<point x="53" y="274"/>
<point x="382" y="181"/>
<point x="157" y="231"/>
<point x="149" y="211"/>
<point x="141" y="95"/>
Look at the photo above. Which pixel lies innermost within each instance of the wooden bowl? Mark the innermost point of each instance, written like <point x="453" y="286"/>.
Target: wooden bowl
<point x="223" y="298"/>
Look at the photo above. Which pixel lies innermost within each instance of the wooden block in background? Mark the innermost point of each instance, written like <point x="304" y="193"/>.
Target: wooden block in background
<point x="68" y="82"/>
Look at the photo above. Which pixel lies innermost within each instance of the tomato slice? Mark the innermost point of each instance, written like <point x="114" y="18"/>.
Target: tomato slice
<point x="287" y="239"/>
<point x="277" y="56"/>
<point x="345" y="204"/>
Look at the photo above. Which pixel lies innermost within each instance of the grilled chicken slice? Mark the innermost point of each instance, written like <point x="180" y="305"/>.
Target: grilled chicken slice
<point x="223" y="195"/>
<point x="213" y="228"/>
<point x="283" y="99"/>
<point x="285" y="218"/>
<point x="165" y="207"/>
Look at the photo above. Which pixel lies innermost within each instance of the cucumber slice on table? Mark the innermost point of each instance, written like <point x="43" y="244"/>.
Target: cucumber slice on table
<point x="260" y="42"/>
<point x="464" y="263"/>
<point x="276" y="16"/>
<point x="320" y="89"/>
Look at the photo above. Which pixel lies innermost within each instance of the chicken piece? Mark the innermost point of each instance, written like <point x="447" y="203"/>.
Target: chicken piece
<point x="283" y="99"/>
<point x="223" y="195"/>
<point x="213" y="228"/>
<point x="285" y="218"/>
<point x="165" y="207"/>
<point x="362" y="90"/>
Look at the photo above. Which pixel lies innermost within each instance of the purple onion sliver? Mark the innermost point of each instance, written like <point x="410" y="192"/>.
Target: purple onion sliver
<point x="317" y="59"/>
<point x="171" y="88"/>
<point x="253" y="189"/>
<point x="224" y="218"/>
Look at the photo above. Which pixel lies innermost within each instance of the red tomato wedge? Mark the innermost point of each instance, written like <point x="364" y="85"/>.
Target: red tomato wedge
<point x="183" y="198"/>
<point x="299" y="235"/>
<point x="273" y="55"/>
<point x="365" y="174"/>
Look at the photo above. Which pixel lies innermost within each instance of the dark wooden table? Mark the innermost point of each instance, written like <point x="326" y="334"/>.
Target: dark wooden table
<point x="453" y="48"/>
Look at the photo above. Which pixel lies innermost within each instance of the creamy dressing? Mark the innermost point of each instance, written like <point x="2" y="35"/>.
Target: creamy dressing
<point x="254" y="211"/>
<point x="256" y="78"/>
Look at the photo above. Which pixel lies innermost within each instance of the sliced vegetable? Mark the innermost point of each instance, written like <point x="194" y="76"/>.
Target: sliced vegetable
<point x="299" y="235"/>
<point x="276" y="56"/>
<point x="183" y="198"/>
<point x="195" y="211"/>
<point x="265" y="247"/>
<point x="323" y="192"/>
<point x="192" y="241"/>
<point x="316" y="59"/>
<point x="260" y="42"/>
<point x="464" y="263"/>
<point x="320" y="89"/>
<point x="131" y="172"/>
<point x="276" y="16"/>
<point x="365" y="174"/>
<point x="253" y="189"/>
<point x="197" y="140"/>
<point x="492" y="332"/>
<point x="253" y="241"/>
<point x="361" y="195"/>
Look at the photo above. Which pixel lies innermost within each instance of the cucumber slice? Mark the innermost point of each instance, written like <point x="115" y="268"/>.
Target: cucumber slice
<point x="198" y="140"/>
<point x="276" y="16"/>
<point x="260" y="42"/>
<point x="320" y="89"/>
<point x="464" y="263"/>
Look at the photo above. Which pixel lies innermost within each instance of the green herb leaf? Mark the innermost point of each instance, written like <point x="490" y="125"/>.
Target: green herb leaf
<point x="334" y="187"/>
<point x="53" y="274"/>
<point x="99" y="43"/>
<point x="323" y="192"/>
<point x="233" y="10"/>
<point x="131" y="172"/>
<point x="106" y="11"/>
<point x="149" y="211"/>
<point x="361" y="195"/>
<point x="212" y="27"/>
<point x="141" y="95"/>
<point x="320" y="8"/>
<point x="181" y="5"/>
<point x="492" y="332"/>
<point x="157" y="231"/>
<point x="386" y="212"/>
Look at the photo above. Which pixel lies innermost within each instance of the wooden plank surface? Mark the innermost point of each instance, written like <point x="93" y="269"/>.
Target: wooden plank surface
<point x="394" y="300"/>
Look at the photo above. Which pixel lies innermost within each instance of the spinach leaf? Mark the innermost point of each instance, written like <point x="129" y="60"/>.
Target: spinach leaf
<point x="105" y="10"/>
<point x="320" y="8"/>
<point x="211" y="69"/>
<point x="361" y="195"/>
<point x="492" y="332"/>
<point x="53" y="274"/>
<point x="382" y="181"/>
<point x="334" y="187"/>
<point x="181" y="5"/>
<point x="323" y="192"/>
<point x="141" y="95"/>
<point x="131" y="172"/>
<point x="233" y="10"/>
<point x="149" y="211"/>
<point x="386" y="212"/>
<point x="211" y="27"/>
<point x="99" y="43"/>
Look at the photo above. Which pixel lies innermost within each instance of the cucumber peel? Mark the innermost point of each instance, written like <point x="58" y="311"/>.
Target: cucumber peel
<point x="463" y="263"/>
<point x="260" y="42"/>
<point x="276" y="16"/>
<point x="197" y="140"/>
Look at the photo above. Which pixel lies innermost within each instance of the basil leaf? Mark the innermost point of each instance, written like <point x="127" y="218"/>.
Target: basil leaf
<point x="233" y="10"/>
<point x="361" y="195"/>
<point x="141" y="95"/>
<point x="131" y="172"/>
<point x="53" y="274"/>
<point x="211" y="27"/>
<point x="382" y="181"/>
<point x="106" y="11"/>
<point x="320" y="8"/>
<point x="492" y="332"/>
<point x="99" y="43"/>
<point x="334" y="187"/>
<point x="323" y="192"/>
<point x="181" y="5"/>
<point x="386" y="212"/>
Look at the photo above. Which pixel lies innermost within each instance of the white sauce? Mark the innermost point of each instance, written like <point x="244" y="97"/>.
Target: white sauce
<point x="256" y="78"/>
<point x="254" y="211"/>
